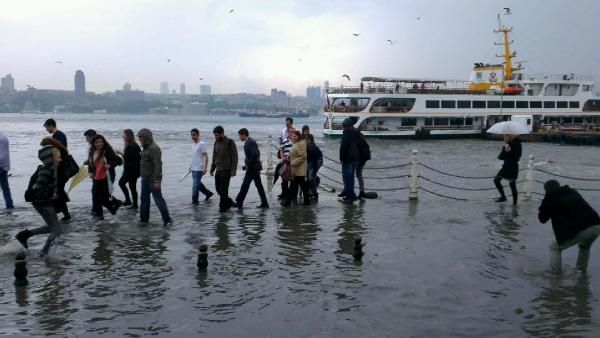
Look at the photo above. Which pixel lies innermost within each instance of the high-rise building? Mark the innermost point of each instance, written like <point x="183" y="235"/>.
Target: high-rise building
<point x="164" y="88"/>
<point x="313" y="92"/>
<point x="7" y="84"/>
<point x="278" y="94"/>
<point x="325" y="88"/>
<point x="205" y="90"/>
<point x="79" y="83"/>
<point x="127" y="87"/>
<point x="182" y="89"/>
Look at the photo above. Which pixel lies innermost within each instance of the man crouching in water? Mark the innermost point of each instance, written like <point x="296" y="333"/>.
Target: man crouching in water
<point x="42" y="192"/>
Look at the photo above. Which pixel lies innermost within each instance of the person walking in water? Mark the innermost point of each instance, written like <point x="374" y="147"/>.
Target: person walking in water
<point x="223" y="166"/>
<point x="573" y="221"/>
<point x="298" y="162"/>
<point x="101" y="158"/>
<point x="252" y="167"/>
<point x="4" y="169"/>
<point x="151" y="173"/>
<point x="62" y="176"/>
<point x="510" y="154"/>
<point x="198" y="167"/>
<point x="349" y="156"/>
<point x="131" y="169"/>
<point x="58" y="135"/>
<point x="41" y="192"/>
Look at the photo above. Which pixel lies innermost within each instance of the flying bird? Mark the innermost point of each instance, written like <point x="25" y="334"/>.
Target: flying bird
<point x="299" y="59"/>
<point x="418" y="18"/>
<point x="201" y="78"/>
<point x="59" y="62"/>
<point x="392" y="42"/>
<point x="230" y="11"/>
<point x="508" y="12"/>
<point x="346" y="76"/>
<point x="356" y="34"/>
<point x="168" y="60"/>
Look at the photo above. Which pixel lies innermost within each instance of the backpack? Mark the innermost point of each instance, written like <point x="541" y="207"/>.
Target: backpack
<point x="364" y="151"/>
<point x="30" y="193"/>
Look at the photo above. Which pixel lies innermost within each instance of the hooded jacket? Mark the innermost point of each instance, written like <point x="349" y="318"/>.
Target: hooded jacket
<point x="42" y="185"/>
<point x="569" y="213"/>
<point x="150" y="157"/>
<point x="349" y="147"/>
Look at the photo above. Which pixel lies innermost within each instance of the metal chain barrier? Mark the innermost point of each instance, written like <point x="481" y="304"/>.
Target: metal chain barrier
<point x="454" y="175"/>
<point x="569" y="177"/>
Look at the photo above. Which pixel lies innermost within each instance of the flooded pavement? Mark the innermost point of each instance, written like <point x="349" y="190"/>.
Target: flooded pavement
<point x="436" y="267"/>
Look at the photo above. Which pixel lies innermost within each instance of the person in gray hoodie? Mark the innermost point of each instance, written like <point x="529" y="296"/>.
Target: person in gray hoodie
<point x="151" y="174"/>
<point x="42" y="192"/>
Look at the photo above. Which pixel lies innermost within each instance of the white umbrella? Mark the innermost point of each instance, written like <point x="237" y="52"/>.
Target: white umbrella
<point x="508" y="127"/>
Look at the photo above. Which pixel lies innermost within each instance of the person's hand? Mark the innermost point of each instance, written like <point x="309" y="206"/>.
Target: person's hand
<point x="244" y="168"/>
<point x="204" y="169"/>
<point x="107" y="166"/>
<point x="91" y="175"/>
<point x="212" y="173"/>
<point x="506" y="147"/>
<point x="119" y="152"/>
<point x="156" y="185"/>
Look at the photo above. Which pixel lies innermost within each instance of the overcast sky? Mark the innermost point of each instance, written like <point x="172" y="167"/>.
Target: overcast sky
<point x="259" y="44"/>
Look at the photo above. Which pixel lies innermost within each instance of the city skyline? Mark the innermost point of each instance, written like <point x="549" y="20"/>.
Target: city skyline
<point x="287" y="44"/>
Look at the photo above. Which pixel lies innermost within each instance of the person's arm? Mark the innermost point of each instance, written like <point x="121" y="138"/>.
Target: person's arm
<point x="545" y="211"/>
<point x="157" y="168"/>
<point x="346" y="138"/>
<point x="234" y="157"/>
<point x="299" y="155"/>
<point x="213" y="165"/>
<point x="205" y="160"/>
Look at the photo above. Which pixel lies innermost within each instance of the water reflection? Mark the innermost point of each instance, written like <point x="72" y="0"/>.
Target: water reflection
<point x="253" y="226"/>
<point x="351" y="226"/>
<point x="222" y="231"/>
<point x="561" y="309"/>
<point x="54" y="301"/>
<point x="501" y="242"/>
<point x="21" y="296"/>
<point x="297" y="231"/>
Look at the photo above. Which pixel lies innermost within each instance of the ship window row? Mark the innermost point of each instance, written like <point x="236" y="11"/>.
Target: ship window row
<point x="464" y="104"/>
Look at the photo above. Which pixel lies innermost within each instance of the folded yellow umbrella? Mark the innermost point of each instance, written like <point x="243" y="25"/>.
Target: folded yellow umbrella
<point x="81" y="175"/>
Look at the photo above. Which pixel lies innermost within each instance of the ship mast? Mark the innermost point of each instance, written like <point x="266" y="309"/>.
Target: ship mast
<point x="508" y="56"/>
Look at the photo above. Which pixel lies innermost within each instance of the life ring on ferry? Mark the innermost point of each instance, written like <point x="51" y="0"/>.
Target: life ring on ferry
<point x="512" y="91"/>
<point x="493" y="77"/>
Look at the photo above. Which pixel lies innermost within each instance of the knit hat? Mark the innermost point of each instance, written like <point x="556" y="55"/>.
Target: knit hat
<point x="45" y="154"/>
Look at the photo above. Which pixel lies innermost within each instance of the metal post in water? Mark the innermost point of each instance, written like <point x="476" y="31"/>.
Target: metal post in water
<point x="270" y="171"/>
<point x="414" y="176"/>
<point x="528" y="179"/>
<point x="20" y="270"/>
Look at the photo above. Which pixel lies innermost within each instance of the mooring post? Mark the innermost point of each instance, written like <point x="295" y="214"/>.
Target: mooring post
<point x="528" y="178"/>
<point x="270" y="171"/>
<point x="414" y="176"/>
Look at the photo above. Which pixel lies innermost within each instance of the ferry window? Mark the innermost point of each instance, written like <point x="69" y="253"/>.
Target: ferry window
<point x="478" y="104"/>
<point x="478" y="75"/>
<point x="548" y="104"/>
<point x="585" y="88"/>
<point x="522" y="104"/>
<point x="493" y="104"/>
<point x="432" y="104"/>
<point x="591" y="105"/>
<point x="463" y="104"/>
<point x="457" y="121"/>
<point x="508" y="104"/>
<point x="448" y="104"/>
<point x="469" y="121"/>
<point x="441" y="121"/>
<point x="409" y="121"/>
<point x="574" y="104"/>
<point x="428" y="121"/>
<point x="535" y="104"/>
<point x="578" y="119"/>
<point x="349" y="104"/>
<point x="403" y="104"/>
<point x="561" y="104"/>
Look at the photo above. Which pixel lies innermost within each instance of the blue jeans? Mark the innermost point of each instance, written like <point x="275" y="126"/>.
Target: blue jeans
<point x="348" y="172"/>
<point x="147" y="189"/>
<point x="5" y="189"/>
<point x="197" y="186"/>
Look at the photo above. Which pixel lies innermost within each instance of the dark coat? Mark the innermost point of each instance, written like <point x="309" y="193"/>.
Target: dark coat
<point x="252" y="154"/>
<point x="349" y="146"/>
<point x="569" y="213"/>
<point x="111" y="159"/>
<point x="60" y="137"/>
<point x="131" y="161"/>
<point x="510" y="167"/>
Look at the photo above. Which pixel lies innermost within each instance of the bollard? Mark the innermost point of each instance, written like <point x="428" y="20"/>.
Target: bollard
<point x="528" y="179"/>
<point x="357" y="252"/>
<point x="270" y="171"/>
<point x="202" y="257"/>
<point x="414" y="176"/>
<point x="20" y="270"/>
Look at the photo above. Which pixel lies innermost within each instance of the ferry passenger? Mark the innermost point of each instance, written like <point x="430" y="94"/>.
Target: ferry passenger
<point x="349" y="157"/>
<point x="343" y="106"/>
<point x="252" y="166"/>
<point x="151" y="174"/>
<point x="397" y="88"/>
<point x="101" y="158"/>
<point x="298" y="161"/>
<point x="510" y="154"/>
<point x="289" y="125"/>
<point x="315" y="161"/>
<point x="131" y="169"/>
<point x="574" y="221"/>
<point x="362" y="86"/>
<point x="223" y="167"/>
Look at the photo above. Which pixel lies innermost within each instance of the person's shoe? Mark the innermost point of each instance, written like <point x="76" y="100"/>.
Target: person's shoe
<point x="195" y="202"/>
<point x="208" y="196"/>
<point x="22" y="237"/>
<point x="66" y="218"/>
<point x="286" y="203"/>
<point x="10" y="207"/>
<point x="306" y="202"/>
<point x="263" y="206"/>
<point x="238" y="205"/>
<point x="362" y="195"/>
<point x="98" y="217"/>
<point x="346" y="200"/>
<point x="132" y="207"/>
<point x="500" y="199"/>
<point x="127" y="203"/>
<point x="341" y="194"/>
<point x="116" y="207"/>
<point x="280" y="196"/>
<point x="168" y="223"/>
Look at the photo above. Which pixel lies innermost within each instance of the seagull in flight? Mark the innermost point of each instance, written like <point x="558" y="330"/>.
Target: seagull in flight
<point x="59" y="62"/>
<point x="201" y="78"/>
<point x="508" y="12"/>
<point x="418" y="18"/>
<point x="356" y="34"/>
<point x="392" y="42"/>
<point x="346" y="76"/>
<point x="299" y="59"/>
<point x="168" y="60"/>
<point x="230" y="11"/>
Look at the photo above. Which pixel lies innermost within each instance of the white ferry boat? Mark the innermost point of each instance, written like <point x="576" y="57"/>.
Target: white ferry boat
<point x="404" y="107"/>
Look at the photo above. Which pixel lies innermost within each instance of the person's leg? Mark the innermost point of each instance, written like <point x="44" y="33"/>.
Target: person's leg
<point x="345" y="170"/>
<point x="53" y="227"/>
<point x="111" y="206"/>
<point x="260" y="189"/>
<point x="555" y="258"/>
<point x="292" y="193"/>
<point x="586" y="238"/>
<point x="309" y="177"/>
<point x="202" y="187"/>
<point x="196" y="175"/>
<point x="225" y="188"/>
<point x="285" y="186"/>
<point x="123" y="186"/>
<point x="348" y="172"/>
<point x="248" y="177"/>
<point x="161" y="205"/>
<point x="134" y="195"/>
<point x="513" y="190"/>
<point x="497" y="180"/>
<point x="218" y="182"/>
<point x="97" y="199"/>
<point x="304" y="186"/>
<point x="361" y="181"/>
<point x="5" y="189"/>
<point x="145" y="200"/>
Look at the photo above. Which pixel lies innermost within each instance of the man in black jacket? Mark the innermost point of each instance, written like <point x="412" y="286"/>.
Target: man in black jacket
<point x="252" y="167"/>
<point x="573" y="220"/>
<point x="349" y="158"/>
<point x="224" y="166"/>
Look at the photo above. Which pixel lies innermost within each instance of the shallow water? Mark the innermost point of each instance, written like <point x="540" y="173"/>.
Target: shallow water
<point x="436" y="267"/>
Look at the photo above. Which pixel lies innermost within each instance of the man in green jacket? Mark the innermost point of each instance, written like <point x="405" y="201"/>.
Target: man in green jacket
<point x="223" y="166"/>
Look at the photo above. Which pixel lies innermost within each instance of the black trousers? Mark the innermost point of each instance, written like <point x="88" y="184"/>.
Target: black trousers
<point x="101" y="197"/>
<point x="132" y="182"/>
<point x="251" y="175"/>
<point x="222" y="178"/>
<point x="513" y="188"/>
<point x="299" y="181"/>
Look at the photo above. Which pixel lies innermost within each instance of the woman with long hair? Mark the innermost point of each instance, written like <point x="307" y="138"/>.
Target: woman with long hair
<point x="101" y="158"/>
<point x="298" y="161"/>
<point x="60" y="203"/>
<point x="510" y="154"/>
<point x="131" y="168"/>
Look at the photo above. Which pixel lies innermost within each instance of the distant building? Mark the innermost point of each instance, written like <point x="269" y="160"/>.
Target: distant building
<point x="205" y="90"/>
<point x="127" y="87"/>
<point x="164" y="88"/>
<point x="278" y="94"/>
<point x="182" y="89"/>
<point x="325" y="88"/>
<point x="128" y="95"/>
<point x="7" y="84"/>
<point x="174" y="92"/>
<point x="79" y="83"/>
<point x="313" y="92"/>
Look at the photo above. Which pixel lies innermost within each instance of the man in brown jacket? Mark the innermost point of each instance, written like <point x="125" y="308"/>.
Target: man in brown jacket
<point x="223" y="166"/>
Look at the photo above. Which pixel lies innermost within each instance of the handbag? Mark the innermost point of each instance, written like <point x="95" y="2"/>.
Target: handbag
<point x="71" y="168"/>
<point x="285" y="172"/>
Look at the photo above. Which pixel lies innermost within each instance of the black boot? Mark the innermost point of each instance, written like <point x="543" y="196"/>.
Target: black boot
<point x="22" y="237"/>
